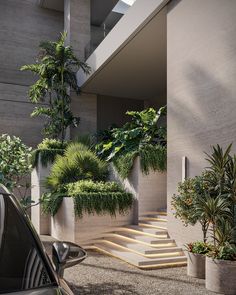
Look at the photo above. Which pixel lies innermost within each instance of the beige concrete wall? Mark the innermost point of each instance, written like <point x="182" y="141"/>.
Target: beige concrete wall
<point x="85" y="107"/>
<point x="66" y="226"/>
<point x="149" y="190"/>
<point x="111" y="110"/>
<point x="23" y="25"/>
<point x="201" y="86"/>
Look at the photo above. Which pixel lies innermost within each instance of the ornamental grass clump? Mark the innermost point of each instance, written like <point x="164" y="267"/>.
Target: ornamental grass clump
<point x="78" y="163"/>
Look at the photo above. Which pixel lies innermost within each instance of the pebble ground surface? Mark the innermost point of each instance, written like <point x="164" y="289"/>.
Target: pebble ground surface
<point x="100" y="274"/>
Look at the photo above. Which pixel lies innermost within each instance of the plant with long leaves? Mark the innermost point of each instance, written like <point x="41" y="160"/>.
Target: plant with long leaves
<point x="56" y="69"/>
<point x="214" y="211"/>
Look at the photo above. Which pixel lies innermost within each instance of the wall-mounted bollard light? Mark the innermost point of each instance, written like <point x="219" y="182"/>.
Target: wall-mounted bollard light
<point x="184" y="168"/>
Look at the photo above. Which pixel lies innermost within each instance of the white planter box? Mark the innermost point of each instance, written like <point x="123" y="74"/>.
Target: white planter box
<point x="66" y="226"/>
<point x="148" y="190"/>
<point x="41" y="222"/>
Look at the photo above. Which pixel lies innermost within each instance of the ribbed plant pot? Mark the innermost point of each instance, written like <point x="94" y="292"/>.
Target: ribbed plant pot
<point x="220" y="276"/>
<point x="196" y="265"/>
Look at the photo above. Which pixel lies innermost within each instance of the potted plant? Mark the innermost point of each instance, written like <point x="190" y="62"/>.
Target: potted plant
<point x="196" y="253"/>
<point x="221" y="269"/>
<point x="184" y="205"/>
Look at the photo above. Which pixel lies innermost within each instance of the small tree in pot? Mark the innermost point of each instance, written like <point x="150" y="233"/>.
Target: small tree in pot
<point x="185" y="209"/>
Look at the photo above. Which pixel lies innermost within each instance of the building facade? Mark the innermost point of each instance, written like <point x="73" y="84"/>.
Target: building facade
<point x="156" y="52"/>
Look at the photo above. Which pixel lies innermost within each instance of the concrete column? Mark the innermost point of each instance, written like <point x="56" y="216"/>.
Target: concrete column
<point x="77" y="24"/>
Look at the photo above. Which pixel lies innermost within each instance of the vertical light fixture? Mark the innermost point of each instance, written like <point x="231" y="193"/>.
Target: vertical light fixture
<point x="184" y="168"/>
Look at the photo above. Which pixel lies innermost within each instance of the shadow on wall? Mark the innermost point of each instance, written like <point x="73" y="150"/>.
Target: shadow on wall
<point x="202" y="114"/>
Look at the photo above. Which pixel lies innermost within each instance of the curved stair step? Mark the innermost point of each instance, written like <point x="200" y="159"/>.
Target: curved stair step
<point x="145" y="239"/>
<point x="144" y="249"/>
<point x="155" y="224"/>
<point x="146" y="230"/>
<point x="138" y="260"/>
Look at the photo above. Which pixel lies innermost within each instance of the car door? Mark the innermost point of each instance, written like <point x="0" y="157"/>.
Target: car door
<point x="23" y="267"/>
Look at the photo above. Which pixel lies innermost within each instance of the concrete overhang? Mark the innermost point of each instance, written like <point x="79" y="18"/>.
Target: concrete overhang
<point x="100" y="9"/>
<point x="131" y="61"/>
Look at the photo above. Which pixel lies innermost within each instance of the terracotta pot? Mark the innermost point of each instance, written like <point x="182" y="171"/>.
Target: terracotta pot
<point x="196" y="265"/>
<point x="220" y="276"/>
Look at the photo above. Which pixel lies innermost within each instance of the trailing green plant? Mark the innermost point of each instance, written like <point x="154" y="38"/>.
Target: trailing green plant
<point x="56" y="68"/>
<point x="100" y="198"/>
<point x="47" y="151"/>
<point x="140" y="137"/>
<point x="199" y="247"/>
<point x="89" y="198"/>
<point x="78" y="163"/>
<point x="51" y="201"/>
<point x="124" y="163"/>
<point x="15" y="165"/>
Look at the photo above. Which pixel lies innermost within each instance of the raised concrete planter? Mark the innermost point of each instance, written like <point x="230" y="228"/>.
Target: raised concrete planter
<point x="66" y="226"/>
<point x="149" y="190"/>
<point x="41" y="222"/>
<point x="220" y="276"/>
<point x="196" y="265"/>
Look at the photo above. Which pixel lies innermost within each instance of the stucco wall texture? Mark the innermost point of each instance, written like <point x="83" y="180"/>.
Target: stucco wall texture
<point x="201" y="93"/>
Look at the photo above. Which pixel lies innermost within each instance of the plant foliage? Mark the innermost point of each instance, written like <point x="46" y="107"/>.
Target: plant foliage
<point x="100" y="198"/>
<point x="15" y="165"/>
<point x="212" y="203"/>
<point x="140" y="137"/>
<point x="47" y="151"/>
<point x="90" y="198"/>
<point x="56" y="68"/>
<point x="78" y="163"/>
<point x="199" y="247"/>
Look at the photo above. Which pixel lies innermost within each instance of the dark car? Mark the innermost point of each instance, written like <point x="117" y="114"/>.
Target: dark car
<point x="25" y="267"/>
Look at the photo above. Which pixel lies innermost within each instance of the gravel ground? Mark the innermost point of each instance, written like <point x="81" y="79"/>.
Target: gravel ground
<point x="103" y="275"/>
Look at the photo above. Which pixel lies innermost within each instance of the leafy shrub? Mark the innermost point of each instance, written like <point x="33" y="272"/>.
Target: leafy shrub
<point x="90" y="197"/>
<point x="142" y="136"/>
<point x="78" y="163"/>
<point x="185" y="203"/>
<point x="199" y="247"/>
<point x="76" y="188"/>
<point x="15" y="158"/>
<point x="47" y="151"/>
<point x="224" y="252"/>
<point x="100" y="198"/>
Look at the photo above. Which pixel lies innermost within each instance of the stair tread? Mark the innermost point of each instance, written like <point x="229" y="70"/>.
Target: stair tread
<point x="144" y="238"/>
<point x="154" y="218"/>
<point x="136" y="259"/>
<point x="143" y="229"/>
<point x="143" y="249"/>
<point x="155" y="224"/>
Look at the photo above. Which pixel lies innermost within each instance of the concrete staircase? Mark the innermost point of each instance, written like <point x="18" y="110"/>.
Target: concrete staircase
<point x="146" y="245"/>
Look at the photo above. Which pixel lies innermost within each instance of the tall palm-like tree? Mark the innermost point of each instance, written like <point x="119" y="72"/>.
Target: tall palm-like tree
<point x="56" y="69"/>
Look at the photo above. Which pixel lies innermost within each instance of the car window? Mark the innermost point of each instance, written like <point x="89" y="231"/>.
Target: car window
<point x="21" y="265"/>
